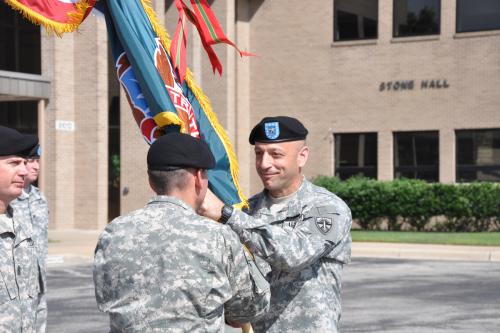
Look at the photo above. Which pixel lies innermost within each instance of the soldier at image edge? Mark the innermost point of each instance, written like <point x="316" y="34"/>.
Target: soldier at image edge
<point x="31" y="206"/>
<point x="165" y="268"/>
<point x="19" y="284"/>
<point x="301" y="230"/>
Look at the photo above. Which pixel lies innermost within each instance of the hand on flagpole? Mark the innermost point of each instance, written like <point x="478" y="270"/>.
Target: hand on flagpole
<point x="211" y="206"/>
<point x="245" y="328"/>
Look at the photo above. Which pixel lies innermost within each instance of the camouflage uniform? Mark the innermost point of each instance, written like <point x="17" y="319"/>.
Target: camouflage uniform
<point x="19" y="286"/>
<point x="306" y="243"/>
<point x="31" y="207"/>
<point x="164" y="268"/>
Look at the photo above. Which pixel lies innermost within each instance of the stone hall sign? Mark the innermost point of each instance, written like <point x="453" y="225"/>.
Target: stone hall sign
<point x="402" y="85"/>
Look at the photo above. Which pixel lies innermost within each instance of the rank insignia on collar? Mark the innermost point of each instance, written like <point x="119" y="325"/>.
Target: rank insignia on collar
<point x="324" y="224"/>
<point x="272" y="130"/>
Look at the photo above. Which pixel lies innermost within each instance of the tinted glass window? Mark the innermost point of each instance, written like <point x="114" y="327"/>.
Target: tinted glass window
<point x="416" y="17"/>
<point x="19" y="43"/>
<point x="369" y="27"/>
<point x="416" y="155"/>
<point x="355" y="19"/>
<point x="477" y="15"/>
<point x="23" y="116"/>
<point x="356" y="155"/>
<point x="114" y="158"/>
<point x="478" y="155"/>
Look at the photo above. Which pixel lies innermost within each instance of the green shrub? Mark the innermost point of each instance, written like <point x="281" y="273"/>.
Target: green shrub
<point x="414" y="204"/>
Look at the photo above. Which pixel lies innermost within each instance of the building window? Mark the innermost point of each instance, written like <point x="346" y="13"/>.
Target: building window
<point x="416" y="155"/>
<point x="478" y="155"/>
<point x="356" y="155"/>
<point x="114" y="157"/>
<point x="23" y="116"/>
<point x="19" y="43"/>
<point x="355" y="19"/>
<point x="416" y="17"/>
<point x="474" y="15"/>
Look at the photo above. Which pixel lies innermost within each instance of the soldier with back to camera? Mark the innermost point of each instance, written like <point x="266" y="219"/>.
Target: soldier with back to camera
<point x="163" y="268"/>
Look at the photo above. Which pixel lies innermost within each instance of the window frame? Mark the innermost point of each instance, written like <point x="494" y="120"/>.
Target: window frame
<point x="394" y="25"/>
<point x="361" y="169"/>
<point x="415" y="169"/>
<point x="468" y="31"/>
<point x="335" y="26"/>
<point x="18" y="111"/>
<point x="471" y="167"/>
<point x="19" y="65"/>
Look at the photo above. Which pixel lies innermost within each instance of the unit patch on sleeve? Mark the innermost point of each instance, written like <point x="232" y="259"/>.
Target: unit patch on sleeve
<point x="324" y="224"/>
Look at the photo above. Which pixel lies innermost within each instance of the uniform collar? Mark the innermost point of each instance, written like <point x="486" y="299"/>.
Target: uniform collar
<point x="24" y="195"/>
<point x="6" y="223"/>
<point x="159" y="199"/>
<point x="33" y="191"/>
<point x="294" y="206"/>
<point x="9" y="224"/>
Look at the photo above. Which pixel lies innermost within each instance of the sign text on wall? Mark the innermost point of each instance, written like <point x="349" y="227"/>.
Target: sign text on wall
<point x="65" y="125"/>
<point x="402" y="85"/>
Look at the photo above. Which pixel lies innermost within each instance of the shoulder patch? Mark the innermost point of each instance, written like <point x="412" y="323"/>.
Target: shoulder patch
<point x="324" y="224"/>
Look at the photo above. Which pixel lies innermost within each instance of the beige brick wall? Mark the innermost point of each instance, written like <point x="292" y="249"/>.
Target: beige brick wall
<point x="299" y="71"/>
<point x="59" y="154"/>
<point x="334" y="87"/>
<point x="91" y="135"/>
<point x="75" y="162"/>
<point x="133" y="152"/>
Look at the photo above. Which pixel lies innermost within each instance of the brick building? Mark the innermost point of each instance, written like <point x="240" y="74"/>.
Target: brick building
<point x="388" y="88"/>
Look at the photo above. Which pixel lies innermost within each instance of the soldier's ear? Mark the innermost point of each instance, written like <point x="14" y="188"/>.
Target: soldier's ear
<point x="151" y="184"/>
<point x="199" y="176"/>
<point x="303" y="156"/>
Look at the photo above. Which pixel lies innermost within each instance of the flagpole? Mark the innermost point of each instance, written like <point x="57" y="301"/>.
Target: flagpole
<point x="247" y="328"/>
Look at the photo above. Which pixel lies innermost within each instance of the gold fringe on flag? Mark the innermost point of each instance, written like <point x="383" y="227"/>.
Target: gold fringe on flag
<point x="164" y="119"/>
<point x="74" y="18"/>
<point x="203" y="100"/>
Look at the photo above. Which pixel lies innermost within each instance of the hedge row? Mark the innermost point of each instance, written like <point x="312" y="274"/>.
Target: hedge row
<point x="418" y="205"/>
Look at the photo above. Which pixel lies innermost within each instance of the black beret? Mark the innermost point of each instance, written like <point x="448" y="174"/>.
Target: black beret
<point x="176" y="150"/>
<point x="14" y="143"/>
<point x="35" y="152"/>
<point x="278" y="129"/>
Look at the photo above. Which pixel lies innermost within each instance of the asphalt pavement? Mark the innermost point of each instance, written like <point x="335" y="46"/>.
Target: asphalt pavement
<point x="415" y="296"/>
<point x="379" y="295"/>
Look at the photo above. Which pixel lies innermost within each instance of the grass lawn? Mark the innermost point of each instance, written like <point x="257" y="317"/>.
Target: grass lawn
<point x="447" y="238"/>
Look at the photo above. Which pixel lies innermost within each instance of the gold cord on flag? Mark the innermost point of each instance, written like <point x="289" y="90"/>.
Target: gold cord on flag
<point x="204" y="103"/>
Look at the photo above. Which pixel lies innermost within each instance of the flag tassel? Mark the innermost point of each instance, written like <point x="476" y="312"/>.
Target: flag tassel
<point x="203" y="100"/>
<point x="75" y="18"/>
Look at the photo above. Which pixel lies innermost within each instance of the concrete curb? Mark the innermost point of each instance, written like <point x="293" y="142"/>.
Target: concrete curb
<point x="426" y="251"/>
<point x="71" y="246"/>
<point x="74" y="245"/>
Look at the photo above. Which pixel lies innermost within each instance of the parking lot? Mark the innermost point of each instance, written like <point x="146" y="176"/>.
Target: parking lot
<point x="379" y="295"/>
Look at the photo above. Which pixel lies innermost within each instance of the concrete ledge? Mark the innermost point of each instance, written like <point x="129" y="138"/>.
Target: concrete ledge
<point x="413" y="39"/>
<point x="360" y="42"/>
<point x="22" y="86"/>
<point x="473" y="34"/>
